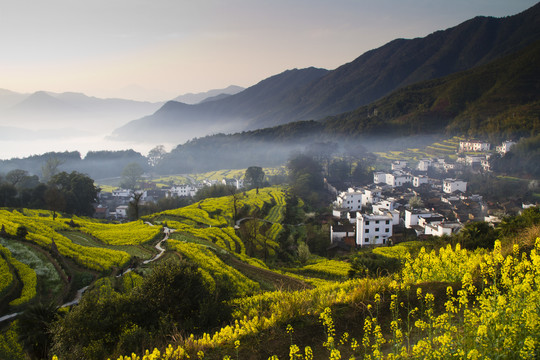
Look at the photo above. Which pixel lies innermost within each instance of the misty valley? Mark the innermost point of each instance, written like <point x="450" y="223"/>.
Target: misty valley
<point x="385" y="209"/>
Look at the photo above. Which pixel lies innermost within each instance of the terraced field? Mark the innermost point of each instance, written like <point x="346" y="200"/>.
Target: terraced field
<point x="444" y="149"/>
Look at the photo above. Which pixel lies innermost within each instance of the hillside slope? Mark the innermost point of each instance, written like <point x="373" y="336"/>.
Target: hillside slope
<point x="316" y="93"/>
<point x="499" y="100"/>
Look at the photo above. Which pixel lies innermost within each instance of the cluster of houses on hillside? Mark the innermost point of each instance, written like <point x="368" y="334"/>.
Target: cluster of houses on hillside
<point x="380" y="213"/>
<point x="115" y="204"/>
<point x="404" y="200"/>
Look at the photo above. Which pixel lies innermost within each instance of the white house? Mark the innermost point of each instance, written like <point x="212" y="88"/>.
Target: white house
<point x="371" y="196"/>
<point x="413" y="216"/>
<point x="373" y="229"/>
<point x="393" y="213"/>
<point x="399" y="165"/>
<point x="238" y="183"/>
<point x="443" y="228"/>
<point x="342" y="232"/>
<point x="122" y="193"/>
<point x="448" y="166"/>
<point x="121" y="211"/>
<point x="394" y="179"/>
<point x="419" y="180"/>
<point x="398" y="178"/>
<point x="453" y="185"/>
<point x="505" y="147"/>
<point x="387" y="204"/>
<point x="424" y="164"/>
<point x="379" y="177"/>
<point x="474" y="145"/>
<point x="350" y="199"/>
<point x="472" y="160"/>
<point x="182" y="190"/>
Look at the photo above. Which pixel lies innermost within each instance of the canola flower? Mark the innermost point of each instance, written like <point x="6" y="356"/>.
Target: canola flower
<point x="500" y="319"/>
<point x="26" y="274"/>
<point x="43" y="230"/>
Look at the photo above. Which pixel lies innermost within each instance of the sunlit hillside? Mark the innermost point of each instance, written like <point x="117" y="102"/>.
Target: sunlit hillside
<point x="437" y="303"/>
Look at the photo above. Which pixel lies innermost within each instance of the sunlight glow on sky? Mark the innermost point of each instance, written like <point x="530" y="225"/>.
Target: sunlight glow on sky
<point x="156" y="50"/>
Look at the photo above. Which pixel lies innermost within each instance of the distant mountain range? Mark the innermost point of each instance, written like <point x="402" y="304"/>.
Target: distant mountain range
<point x="210" y="95"/>
<point x="43" y="113"/>
<point x="66" y="112"/>
<point x="317" y="93"/>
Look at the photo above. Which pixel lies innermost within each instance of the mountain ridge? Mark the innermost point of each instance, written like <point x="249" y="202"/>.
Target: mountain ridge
<point x="497" y="101"/>
<point x="195" y="98"/>
<point x="367" y="78"/>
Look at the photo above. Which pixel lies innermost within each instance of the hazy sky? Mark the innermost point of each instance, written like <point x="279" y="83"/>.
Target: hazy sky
<point x="158" y="49"/>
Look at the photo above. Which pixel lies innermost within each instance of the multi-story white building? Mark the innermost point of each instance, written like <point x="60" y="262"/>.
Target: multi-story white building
<point x="238" y="183"/>
<point x="505" y="147"/>
<point x="424" y="164"/>
<point x="122" y="193"/>
<point x="472" y="160"/>
<point x="399" y="165"/>
<point x="419" y="180"/>
<point x="121" y="211"/>
<point x="453" y="185"/>
<point x="398" y="178"/>
<point x="474" y="145"/>
<point x="371" y="196"/>
<point x="379" y="177"/>
<point x="413" y="216"/>
<point x="388" y="204"/>
<point x="350" y="199"/>
<point x="394" y="179"/>
<point x="182" y="190"/>
<point x="373" y="229"/>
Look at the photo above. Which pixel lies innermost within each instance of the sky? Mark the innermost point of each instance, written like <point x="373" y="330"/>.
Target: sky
<point x="155" y="50"/>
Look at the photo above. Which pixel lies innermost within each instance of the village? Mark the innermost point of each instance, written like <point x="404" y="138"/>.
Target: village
<point x="416" y="202"/>
<point x="419" y="201"/>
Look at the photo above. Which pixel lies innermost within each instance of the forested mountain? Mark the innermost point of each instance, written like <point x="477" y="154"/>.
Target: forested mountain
<point x="315" y="93"/>
<point x="499" y="100"/>
<point x="179" y="121"/>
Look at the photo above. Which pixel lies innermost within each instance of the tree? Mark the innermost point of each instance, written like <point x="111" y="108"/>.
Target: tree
<point x="134" y="205"/>
<point x="131" y="175"/>
<point x="339" y="172"/>
<point x="303" y="252"/>
<point x="54" y="200"/>
<point x="235" y="200"/>
<point x="305" y="178"/>
<point x="322" y="152"/>
<point x="215" y="190"/>
<point x="254" y="176"/>
<point x="174" y="297"/>
<point x="50" y="168"/>
<point x="21" y="232"/>
<point x="416" y="202"/>
<point x="8" y="195"/>
<point x="477" y="234"/>
<point x="16" y="176"/>
<point x="155" y="155"/>
<point x="34" y="329"/>
<point x="78" y="190"/>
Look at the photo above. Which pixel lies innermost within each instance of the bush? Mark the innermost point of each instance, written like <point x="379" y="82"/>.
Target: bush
<point x="173" y="297"/>
<point x="369" y="264"/>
